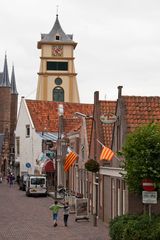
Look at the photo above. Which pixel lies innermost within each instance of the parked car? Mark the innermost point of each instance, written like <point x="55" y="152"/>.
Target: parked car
<point x="22" y="182"/>
<point x="36" y="185"/>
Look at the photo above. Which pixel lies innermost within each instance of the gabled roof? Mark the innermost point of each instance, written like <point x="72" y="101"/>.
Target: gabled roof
<point x="5" y="77"/>
<point x="56" y="31"/>
<point x="107" y="129"/>
<point x="140" y="111"/>
<point x="13" y="82"/>
<point x="72" y="124"/>
<point x="44" y="115"/>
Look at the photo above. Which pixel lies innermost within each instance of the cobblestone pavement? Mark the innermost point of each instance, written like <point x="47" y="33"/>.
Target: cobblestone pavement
<point x="28" y="218"/>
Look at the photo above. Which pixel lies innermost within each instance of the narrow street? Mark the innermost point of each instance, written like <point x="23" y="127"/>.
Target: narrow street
<point x="27" y="218"/>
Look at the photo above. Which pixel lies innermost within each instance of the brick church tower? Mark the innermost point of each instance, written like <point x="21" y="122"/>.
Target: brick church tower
<point x="8" y="117"/>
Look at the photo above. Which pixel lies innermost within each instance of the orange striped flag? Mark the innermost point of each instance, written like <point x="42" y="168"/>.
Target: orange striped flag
<point x="70" y="159"/>
<point x="106" y="154"/>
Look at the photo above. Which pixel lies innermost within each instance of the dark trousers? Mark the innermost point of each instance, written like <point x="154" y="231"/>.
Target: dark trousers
<point x="65" y="219"/>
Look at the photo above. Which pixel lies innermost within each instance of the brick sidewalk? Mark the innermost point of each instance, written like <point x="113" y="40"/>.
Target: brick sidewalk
<point x="27" y="218"/>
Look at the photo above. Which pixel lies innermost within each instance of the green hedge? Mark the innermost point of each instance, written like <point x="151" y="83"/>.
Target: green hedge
<point x="135" y="227"/>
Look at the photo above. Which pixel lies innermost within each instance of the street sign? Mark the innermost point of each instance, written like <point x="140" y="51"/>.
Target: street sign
<point x="108" y="118"/>
<point x="148" y="185"/>
<point x="81" y="209"/>
<point x="149" y="197"/>
<point x="28" y="165"/>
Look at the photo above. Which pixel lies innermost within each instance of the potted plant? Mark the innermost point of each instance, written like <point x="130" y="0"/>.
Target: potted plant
<point x="92" y="165"/>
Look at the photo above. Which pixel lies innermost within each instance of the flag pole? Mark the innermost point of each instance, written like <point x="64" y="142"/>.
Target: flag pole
<point x="117" y="158"/>
<point x="104" y="146"/>
<point x="100" y="143"/>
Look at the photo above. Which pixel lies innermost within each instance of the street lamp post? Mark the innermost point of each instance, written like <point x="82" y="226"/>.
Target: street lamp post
<point x="96" y="177"/>
<point x="58" y="148"/>
<point x="95" y="214"/>
<point x="96" y="202"/>
<point x="55" y="176"/>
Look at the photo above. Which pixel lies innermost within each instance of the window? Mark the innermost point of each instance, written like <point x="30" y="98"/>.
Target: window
<point x="17" y="146"/>
<point x="12" y="150"/>
<point x="58" y="94"/>
<point x="57" y="66"/>
<point x="101" y="192"/>
<point x="57" y="37"/>
<point x="27" y="130"/>
<point x="37" y="181"/>
<point x="58" y="81"/>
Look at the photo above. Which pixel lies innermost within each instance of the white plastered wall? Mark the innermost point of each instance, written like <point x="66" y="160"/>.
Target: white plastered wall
<point x="30" y="147"/>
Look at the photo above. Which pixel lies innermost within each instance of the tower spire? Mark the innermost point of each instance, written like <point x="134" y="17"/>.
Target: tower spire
<point x="5" y="78"/>
<point x="13" y="82"/>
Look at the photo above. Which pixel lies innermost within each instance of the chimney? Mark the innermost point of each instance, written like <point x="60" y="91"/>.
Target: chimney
<point x="120" y="91"/>
<point x="96" y="97"/>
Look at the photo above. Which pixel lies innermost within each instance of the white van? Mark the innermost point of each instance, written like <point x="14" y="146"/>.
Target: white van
<point x="36" y="185"/>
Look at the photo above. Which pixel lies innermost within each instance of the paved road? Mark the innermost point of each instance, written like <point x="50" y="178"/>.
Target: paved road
<point x="27" y="218"/>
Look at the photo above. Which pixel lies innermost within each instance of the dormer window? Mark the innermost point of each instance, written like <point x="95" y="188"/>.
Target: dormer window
<point x="57" y="37"/>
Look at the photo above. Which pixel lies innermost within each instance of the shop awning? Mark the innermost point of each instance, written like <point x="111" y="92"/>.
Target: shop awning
<point x="48" y="166"/>
<point x="48" y="136"/>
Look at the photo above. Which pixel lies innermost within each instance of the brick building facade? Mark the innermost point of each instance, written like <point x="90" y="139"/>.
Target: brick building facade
<point x="8" y="117"/>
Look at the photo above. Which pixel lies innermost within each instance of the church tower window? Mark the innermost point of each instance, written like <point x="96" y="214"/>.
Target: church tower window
<point x="57" y="37"/>
<point x="57" y="66"/>
<point x="58" y="81"/>
<point x="58" y="94"/>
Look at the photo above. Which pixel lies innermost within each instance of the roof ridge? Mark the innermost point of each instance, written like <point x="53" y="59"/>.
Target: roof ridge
<point x="112" y="101"/>
<point x="140" y="96"/>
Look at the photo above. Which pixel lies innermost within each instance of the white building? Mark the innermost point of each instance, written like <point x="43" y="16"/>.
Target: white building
<point x="28" y="147"/>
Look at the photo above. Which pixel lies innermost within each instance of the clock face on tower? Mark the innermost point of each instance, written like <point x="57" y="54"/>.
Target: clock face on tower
<point x="57" y="50"/>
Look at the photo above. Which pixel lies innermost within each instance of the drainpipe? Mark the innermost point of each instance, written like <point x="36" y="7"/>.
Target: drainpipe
<point x="95" y="183"/>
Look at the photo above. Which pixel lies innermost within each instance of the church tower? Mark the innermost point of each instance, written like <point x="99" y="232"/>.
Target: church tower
<point x="8" y="118"/>
<point x="13" y="109"/>
<point x="5" y="99"/>
<point x="57" y="77"/>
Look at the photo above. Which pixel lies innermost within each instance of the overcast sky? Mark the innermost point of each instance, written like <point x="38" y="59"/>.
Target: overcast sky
<point x="118" y="43"/>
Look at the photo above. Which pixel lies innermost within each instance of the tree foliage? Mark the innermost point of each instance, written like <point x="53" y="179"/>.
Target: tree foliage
<point x="142" y="156"/>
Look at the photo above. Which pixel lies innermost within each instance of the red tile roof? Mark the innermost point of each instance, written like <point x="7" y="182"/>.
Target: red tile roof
<point x="107" y="129"/>
<point x="140" y="110"/>
<point x="44" y="115"/>
<point x="89" y="124"/>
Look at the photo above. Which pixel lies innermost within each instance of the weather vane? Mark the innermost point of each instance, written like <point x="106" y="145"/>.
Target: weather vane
<point x="57" y="6"/>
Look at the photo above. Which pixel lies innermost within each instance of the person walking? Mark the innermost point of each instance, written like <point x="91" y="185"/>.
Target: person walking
<point x="66" y="213"/>
<point x="55" y="209"/>
<point x="11" y="179"/>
